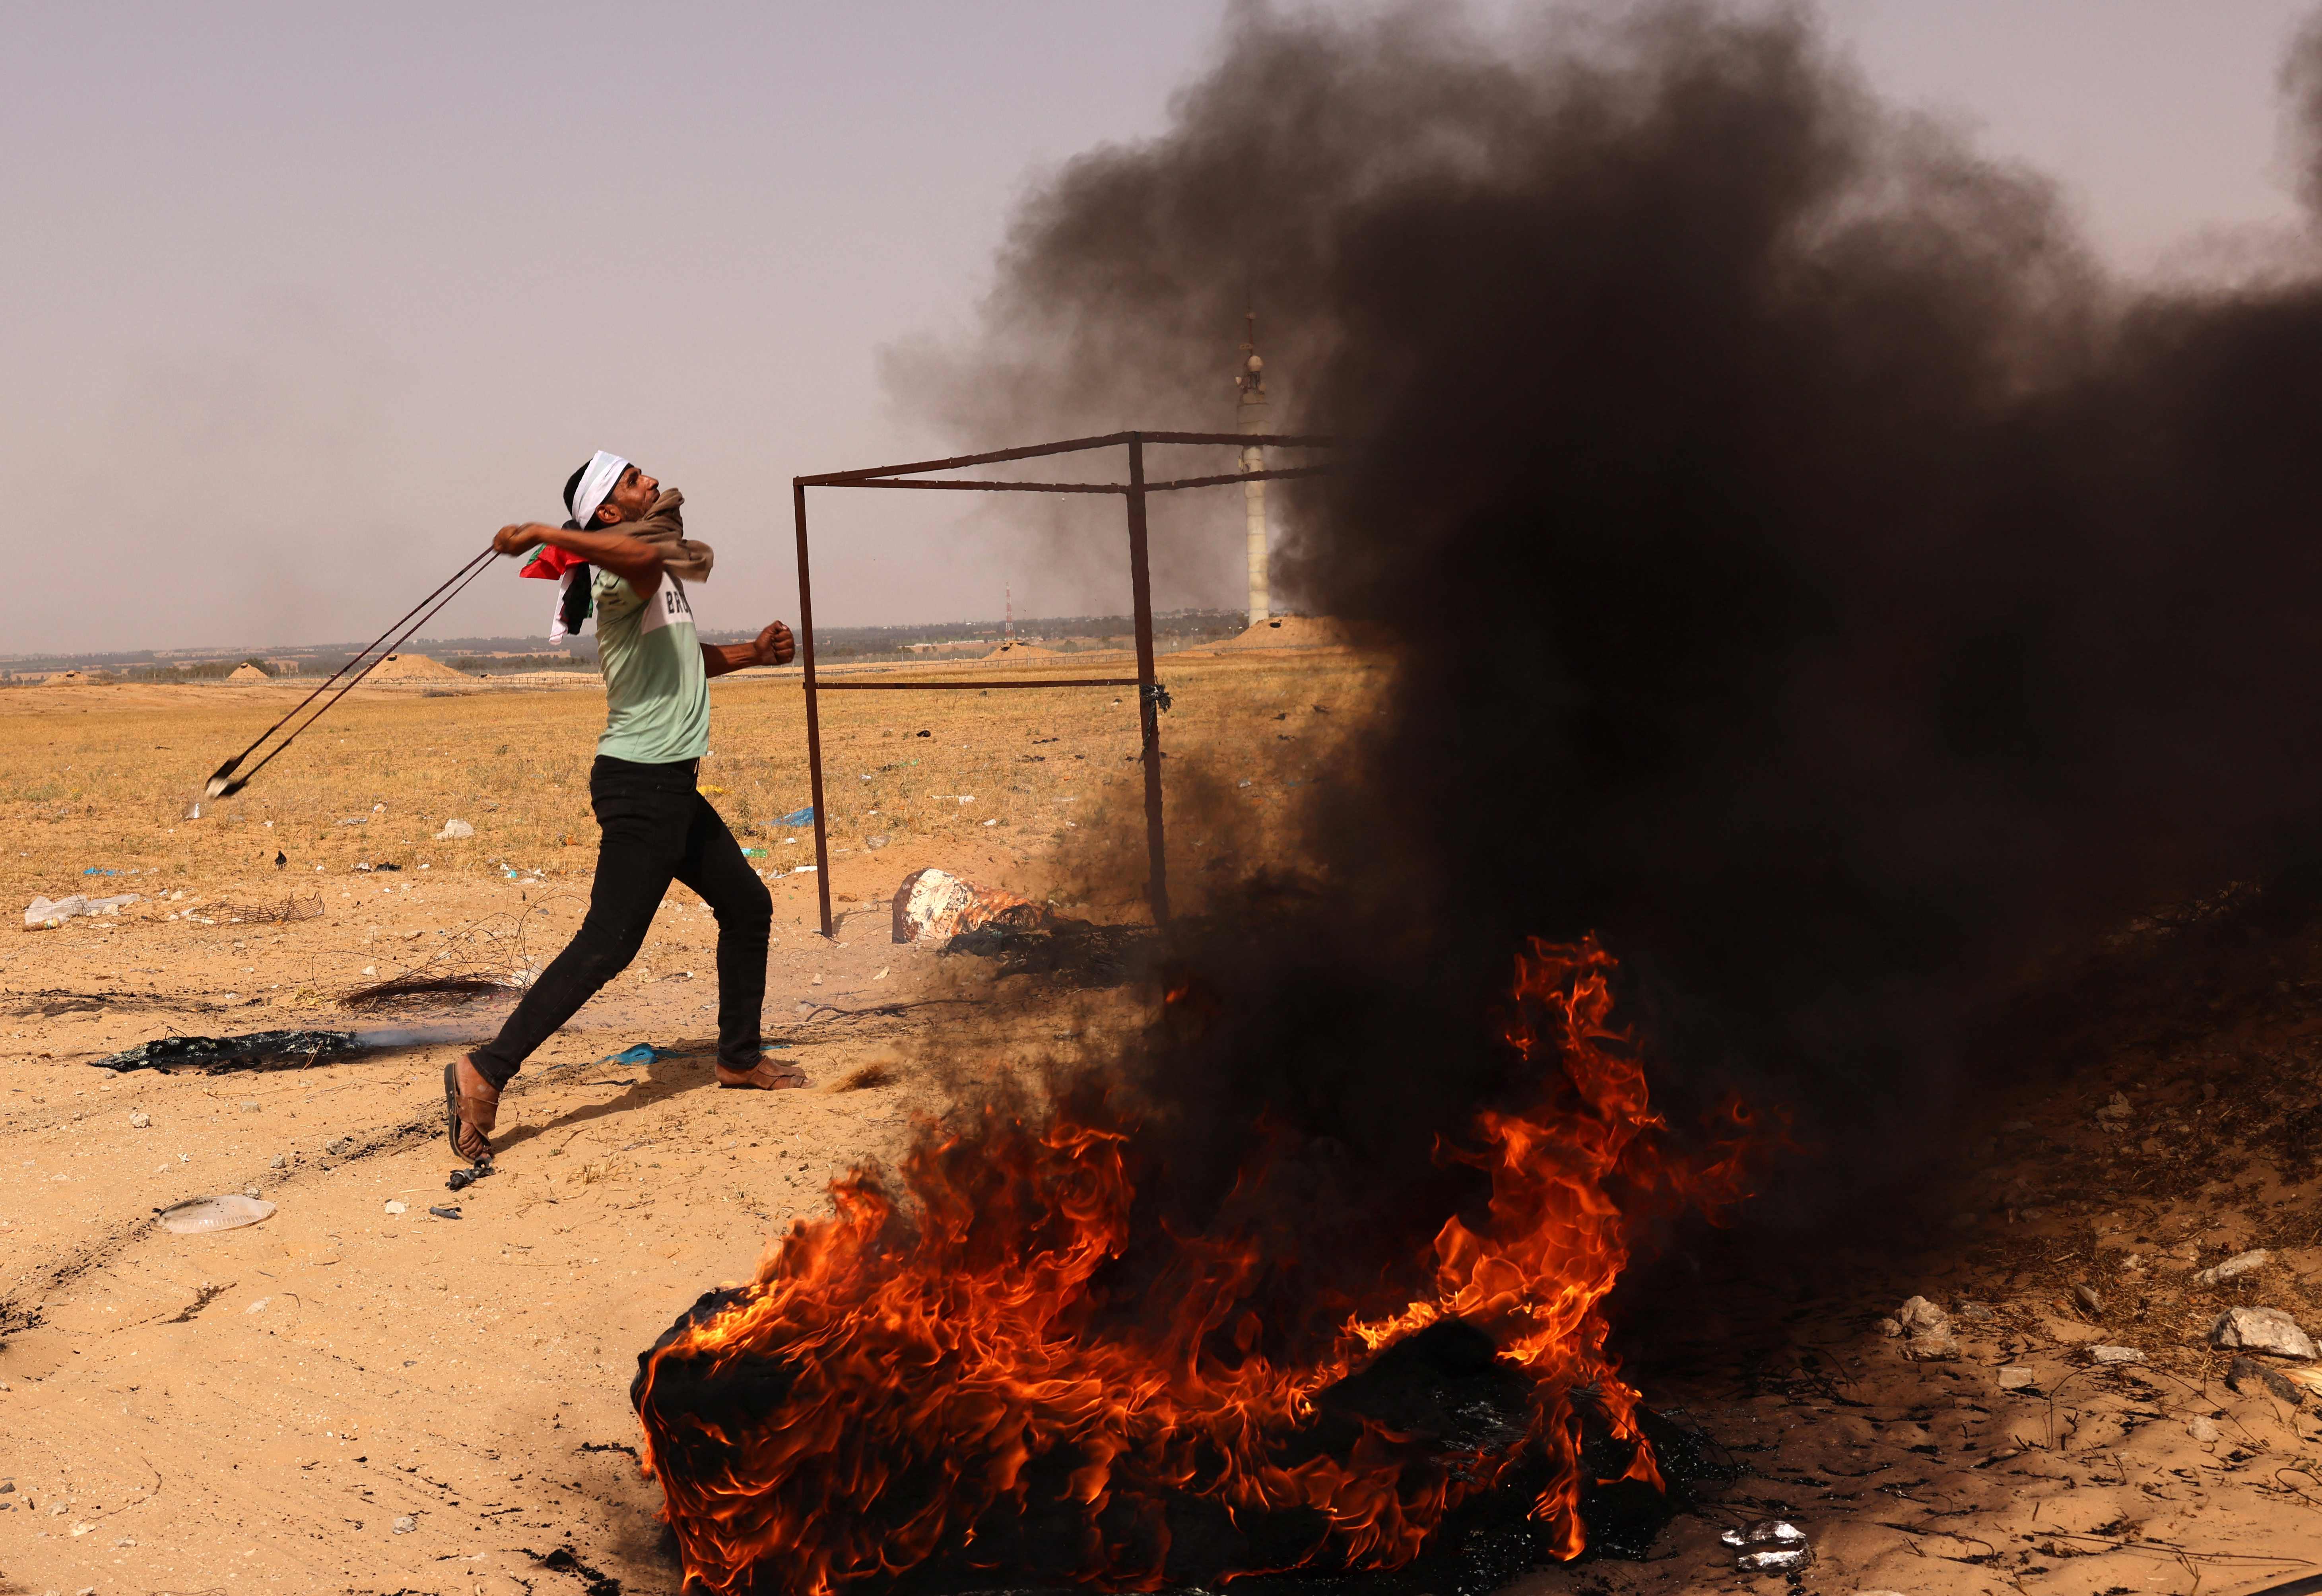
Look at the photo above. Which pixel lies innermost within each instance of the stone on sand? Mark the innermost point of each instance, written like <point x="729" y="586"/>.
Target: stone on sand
<point x="2239" y="1264"/>
<point x="2261" y="1330"/>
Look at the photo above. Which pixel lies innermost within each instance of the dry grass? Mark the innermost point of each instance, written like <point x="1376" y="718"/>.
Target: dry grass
<point x="103" y="774"/>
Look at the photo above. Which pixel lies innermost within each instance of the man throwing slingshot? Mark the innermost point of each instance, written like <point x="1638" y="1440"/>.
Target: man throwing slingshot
<point x="630" y="559"/>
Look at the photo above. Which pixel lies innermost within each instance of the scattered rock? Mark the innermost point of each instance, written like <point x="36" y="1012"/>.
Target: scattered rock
<point x="279" y="1162"/>
<point x="875" y="843"/>
<point x="2247" y="1375"/>
<point x="1918" y="1314"/>
<point x="259" y="1305"/>
<point x="2086" y="1296"/>
<point x="2115" y="1107"/>
<point x="140" y="1121"/>
<point x="2202" y="1429"/>
<point x="442" y="1213"/>
<point x="340" y="1148"/>
<point x="2016" y="1377"/>
<point x="453" y="831"/>
<point x="404" y="1525"/>
<point x="2116" y="1355"/>
<point x="2239" y="1264"/>
<point x="1926" y="1330"/>
<point x="394" y="1206"/>
<point x="2262" y="1329"/>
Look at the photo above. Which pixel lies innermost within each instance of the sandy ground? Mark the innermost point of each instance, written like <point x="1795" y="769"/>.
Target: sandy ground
<point x="345" y="1397"/>
<point x="261" y="1408"/>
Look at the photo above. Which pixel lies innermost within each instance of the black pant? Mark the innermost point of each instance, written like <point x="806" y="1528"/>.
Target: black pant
<point x="656" y="828"/>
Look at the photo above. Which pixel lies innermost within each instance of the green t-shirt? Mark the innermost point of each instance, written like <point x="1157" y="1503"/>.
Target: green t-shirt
<point x="656" y="693"/>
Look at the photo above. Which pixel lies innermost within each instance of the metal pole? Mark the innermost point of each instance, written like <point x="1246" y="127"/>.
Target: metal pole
<point x="1140" y="586"/>
<point x="813" y="715"/>
<point x="1253" y="463"/>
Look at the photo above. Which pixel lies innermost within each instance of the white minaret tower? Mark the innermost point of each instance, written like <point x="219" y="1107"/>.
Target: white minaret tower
<point x="1252" y="383"/>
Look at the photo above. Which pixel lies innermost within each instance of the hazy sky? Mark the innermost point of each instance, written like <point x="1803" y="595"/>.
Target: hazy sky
<point x="303" y="301"/>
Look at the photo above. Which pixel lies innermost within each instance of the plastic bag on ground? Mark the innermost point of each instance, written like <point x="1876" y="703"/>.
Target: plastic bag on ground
<point x="200" y="1215"/>
<point x="46" y="914"/>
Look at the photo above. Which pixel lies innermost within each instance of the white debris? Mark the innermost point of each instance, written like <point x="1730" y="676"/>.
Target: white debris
<point x="394" y="1206"/>
<point x="2116" y="1355"/>
<point x="2017" y="1377"/>
<point x="259" y="1305"/>
<point x="2239" y="1264"/>
<point x="453" y="830"/>
<point x="1768" y="1545"/>
<point x="930" y="905"/>
<point x="2261" y="1330"/>
<point x="46" y="914"/>
<point x="2202" y="1429"/>
<point x="198" y="1214"/>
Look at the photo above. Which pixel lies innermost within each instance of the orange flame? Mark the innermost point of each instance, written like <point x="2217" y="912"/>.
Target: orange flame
<point x="919" y="1383"/>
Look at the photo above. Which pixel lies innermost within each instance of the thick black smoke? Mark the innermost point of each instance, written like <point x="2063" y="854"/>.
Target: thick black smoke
<point x="1807" y="568"/>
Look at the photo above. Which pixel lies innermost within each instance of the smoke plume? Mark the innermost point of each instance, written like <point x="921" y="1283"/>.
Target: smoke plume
<point x="1807" y="568"/>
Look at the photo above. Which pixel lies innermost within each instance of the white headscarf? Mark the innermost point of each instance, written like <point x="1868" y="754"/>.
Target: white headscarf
<point x="598" y="480"/>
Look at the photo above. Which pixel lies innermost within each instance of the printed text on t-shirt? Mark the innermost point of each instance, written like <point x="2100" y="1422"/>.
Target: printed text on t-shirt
<point x="666" y="605"/>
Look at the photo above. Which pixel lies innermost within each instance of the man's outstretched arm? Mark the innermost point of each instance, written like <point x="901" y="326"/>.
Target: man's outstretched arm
<point x="775" y="646"/>
<point x="633" y="560"/>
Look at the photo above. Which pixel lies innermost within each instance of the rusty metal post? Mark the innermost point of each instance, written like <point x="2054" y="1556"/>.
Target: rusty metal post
<point x="1148" y="708"/>
<point x="813" y="714"/>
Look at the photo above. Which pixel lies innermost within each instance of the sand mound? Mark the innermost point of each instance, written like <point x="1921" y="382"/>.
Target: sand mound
<point x="69" y="678"/>
<point x="1294" y="632"/>
<point x="414" y="668"/>
<point x="247" y="673"/>
<point x="1021" y="651"/>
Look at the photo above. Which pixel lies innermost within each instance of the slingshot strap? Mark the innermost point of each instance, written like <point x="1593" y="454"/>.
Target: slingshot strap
<point x="468" y="573"/>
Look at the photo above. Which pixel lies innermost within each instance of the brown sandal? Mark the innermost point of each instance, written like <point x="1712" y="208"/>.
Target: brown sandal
<point x="468" y="1120"/>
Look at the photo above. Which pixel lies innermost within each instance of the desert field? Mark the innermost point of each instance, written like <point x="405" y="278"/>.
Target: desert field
<point x="344" y="1397"/>
<point x="360" y="1394"/>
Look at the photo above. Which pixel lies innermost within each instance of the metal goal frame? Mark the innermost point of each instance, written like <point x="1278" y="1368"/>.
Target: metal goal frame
<point x="912" y="474"/>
